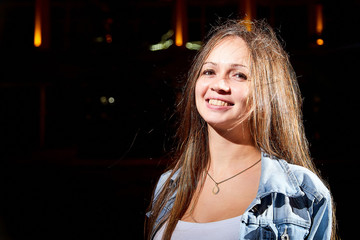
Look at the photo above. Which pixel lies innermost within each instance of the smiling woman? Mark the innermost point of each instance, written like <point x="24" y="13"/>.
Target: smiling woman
<point x="242" y="167"/>
<point x="222" y="88"/>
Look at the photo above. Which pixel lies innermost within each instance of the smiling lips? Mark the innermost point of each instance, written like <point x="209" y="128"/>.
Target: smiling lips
<point x="217" y="102"/>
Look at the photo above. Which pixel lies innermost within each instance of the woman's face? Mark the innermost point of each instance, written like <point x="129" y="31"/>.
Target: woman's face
<point x="222" y="88"/>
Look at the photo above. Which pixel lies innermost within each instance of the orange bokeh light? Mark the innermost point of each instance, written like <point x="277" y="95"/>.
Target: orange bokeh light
<point x="37" y="29"/>
<point x="248" y="14"/>
<point x="179" y="27"/>
<point x="320" y="42"/>
<point x="319" y="19"/>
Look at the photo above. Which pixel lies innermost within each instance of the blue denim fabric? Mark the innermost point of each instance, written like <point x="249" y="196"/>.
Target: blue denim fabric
<point x="291" y="203"/>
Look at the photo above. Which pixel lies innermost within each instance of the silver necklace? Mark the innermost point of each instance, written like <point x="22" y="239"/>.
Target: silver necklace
<point x="216" y="188"/>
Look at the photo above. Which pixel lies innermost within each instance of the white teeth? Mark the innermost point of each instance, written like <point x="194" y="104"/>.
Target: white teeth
<point x="216" y="102"/>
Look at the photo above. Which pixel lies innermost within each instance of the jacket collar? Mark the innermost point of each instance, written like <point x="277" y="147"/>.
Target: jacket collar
<point x="276" y="176"/>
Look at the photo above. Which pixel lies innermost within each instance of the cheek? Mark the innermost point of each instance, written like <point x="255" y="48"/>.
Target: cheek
<point x="242" y="97"/>
<point x="199" y="91"/>
<point x="242" y="93"/>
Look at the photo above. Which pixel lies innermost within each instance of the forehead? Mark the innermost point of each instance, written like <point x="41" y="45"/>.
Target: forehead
<point x="230" y="50"/>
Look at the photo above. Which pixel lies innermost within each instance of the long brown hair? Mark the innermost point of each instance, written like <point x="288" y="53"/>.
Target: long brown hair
<point x="275" y="118"/>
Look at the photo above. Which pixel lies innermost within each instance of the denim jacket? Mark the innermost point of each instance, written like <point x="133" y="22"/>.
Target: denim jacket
<point x="291" y="203"/>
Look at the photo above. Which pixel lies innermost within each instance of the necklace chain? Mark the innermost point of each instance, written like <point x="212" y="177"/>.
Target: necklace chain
<point x="216" y="189"/>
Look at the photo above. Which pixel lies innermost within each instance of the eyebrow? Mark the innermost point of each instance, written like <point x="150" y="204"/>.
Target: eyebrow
<point x="232" y="65"/>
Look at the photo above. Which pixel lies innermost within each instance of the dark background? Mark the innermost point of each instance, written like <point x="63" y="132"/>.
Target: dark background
<point x="75" y="166"/>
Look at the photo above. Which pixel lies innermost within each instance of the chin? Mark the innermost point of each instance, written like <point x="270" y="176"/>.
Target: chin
<point x="229" y="124"/>
<point x="223" y="125"/>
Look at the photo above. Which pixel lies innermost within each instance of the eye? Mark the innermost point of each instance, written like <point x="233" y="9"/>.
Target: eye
<point x="208" y="72"/>
<point x="240" y="75"/>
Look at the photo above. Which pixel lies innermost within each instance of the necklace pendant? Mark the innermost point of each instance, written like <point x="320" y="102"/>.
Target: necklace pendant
<point x="216" y="189"/>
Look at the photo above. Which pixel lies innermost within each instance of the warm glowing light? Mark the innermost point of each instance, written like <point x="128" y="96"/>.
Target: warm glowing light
<point x="37" y="29"/>
<point x="247" y="24"/>
<point x="319" y="19"/>
<point x="320" y="42"/>
<point x="178" y="35"/>
<point x="179" y="24"/>
<point x="108" y="38"/>
<point x="248" y="14"/>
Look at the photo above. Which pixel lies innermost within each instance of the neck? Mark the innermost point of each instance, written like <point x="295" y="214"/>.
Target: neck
<point x="231" y="150"/>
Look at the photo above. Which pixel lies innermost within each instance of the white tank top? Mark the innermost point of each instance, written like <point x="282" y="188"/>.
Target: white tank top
<point x="228" y="229"/>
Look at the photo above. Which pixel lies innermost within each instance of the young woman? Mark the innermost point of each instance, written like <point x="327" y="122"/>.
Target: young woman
<point x="242" y="168"/>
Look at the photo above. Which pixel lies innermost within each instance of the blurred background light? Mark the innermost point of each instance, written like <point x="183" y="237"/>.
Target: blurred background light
<point x="165" y="42"/>
<point x="180" y="23"/>
<point x="196" y="45"/>
<point x="161" y="46"/>
<point x="103" y="100"/>
<point x="99" y="39"/>
<point x="37" y="30"/>
<point x="108" y="38"/>
<point x="319" y="19"/>
<point x="111" y="100"/>
<point x="320" y="42"/>
<point x="248" y="13"/>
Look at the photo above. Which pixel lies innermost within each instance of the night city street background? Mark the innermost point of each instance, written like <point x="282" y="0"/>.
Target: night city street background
<point x="87" y="98"/>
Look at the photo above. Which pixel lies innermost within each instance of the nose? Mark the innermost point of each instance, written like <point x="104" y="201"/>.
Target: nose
<point x="221" y="86"/>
